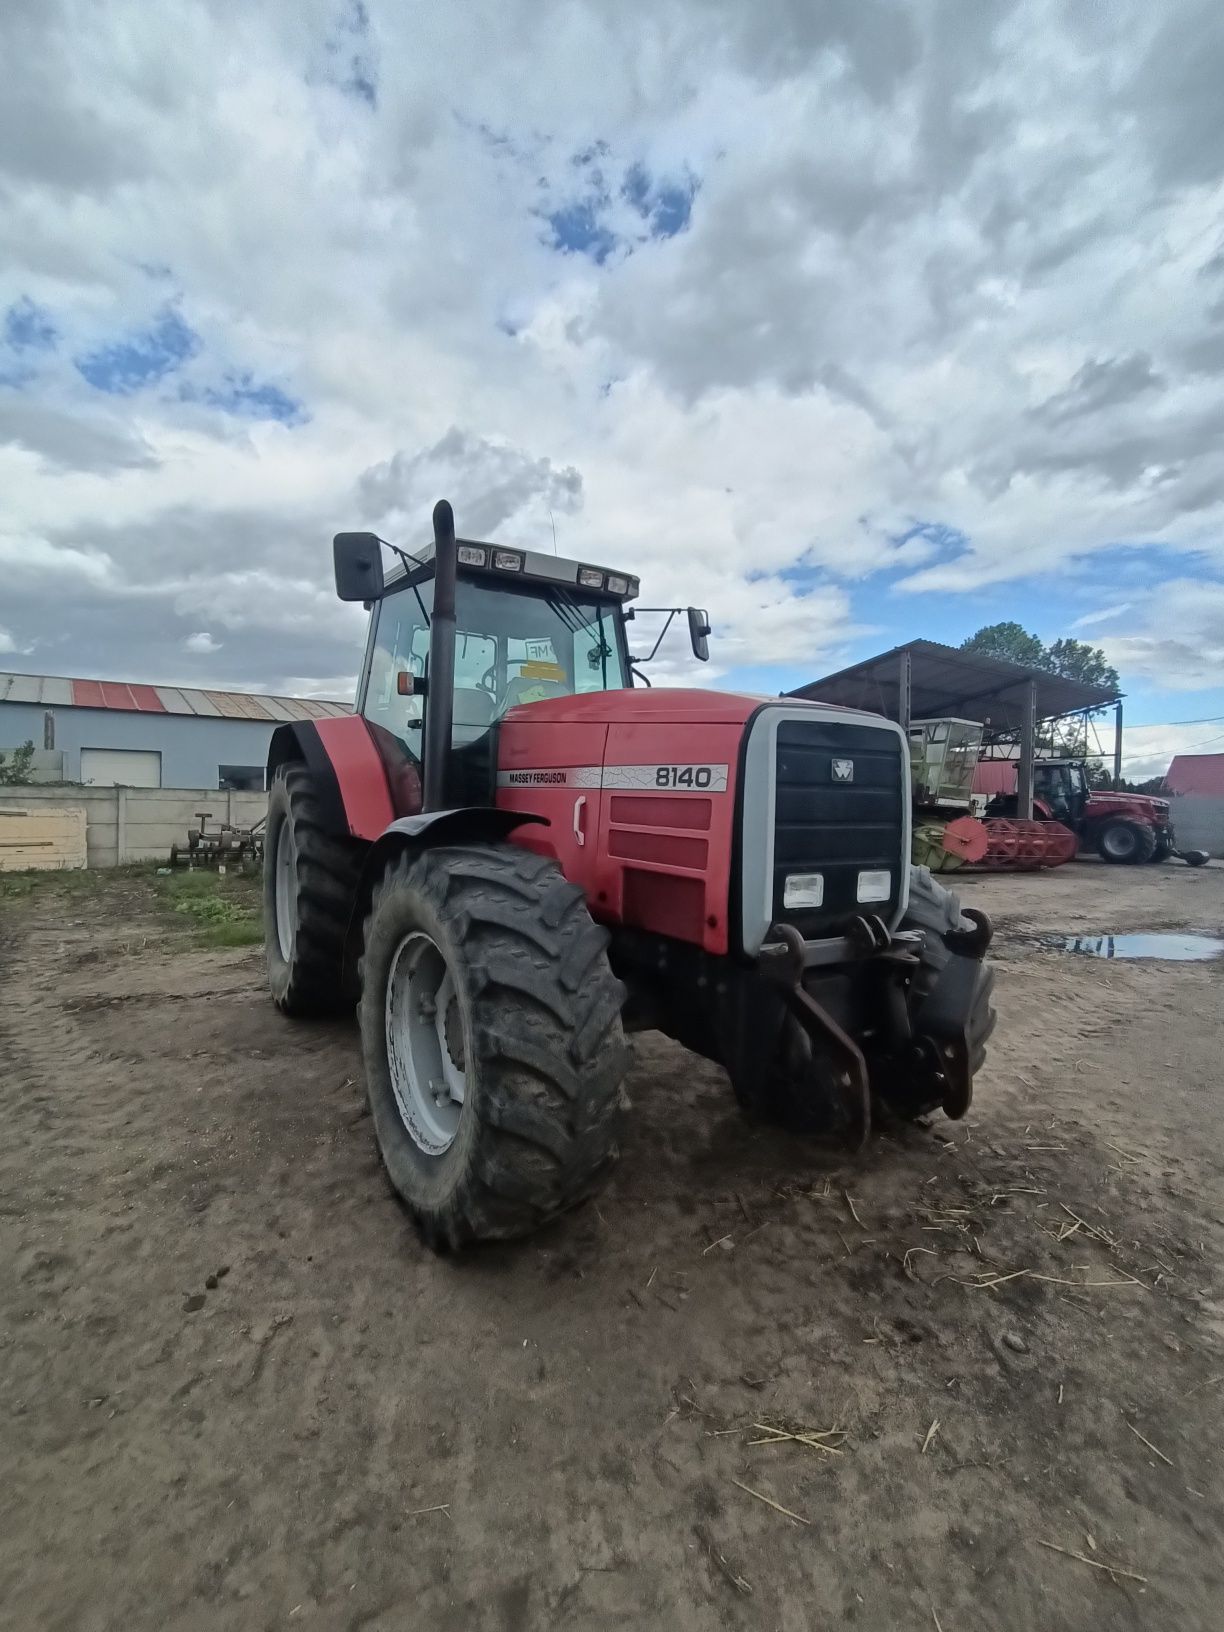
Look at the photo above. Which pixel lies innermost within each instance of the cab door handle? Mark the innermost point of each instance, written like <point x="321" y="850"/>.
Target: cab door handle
<point x="579" y="805"/>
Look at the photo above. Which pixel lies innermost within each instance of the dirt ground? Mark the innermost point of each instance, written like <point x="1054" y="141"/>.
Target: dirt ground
<point x="237" y="1392"/>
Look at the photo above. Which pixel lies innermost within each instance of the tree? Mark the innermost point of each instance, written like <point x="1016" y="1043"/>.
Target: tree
<point x="15" y="767"/>
<point x="1073" y="659"/>
<point x="1008" y="641"/>
<point x="1076" y="660"/>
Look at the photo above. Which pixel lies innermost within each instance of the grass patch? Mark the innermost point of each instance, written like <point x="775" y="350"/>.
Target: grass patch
<point x="20" y="886"/>
<point x="221" y="911"/>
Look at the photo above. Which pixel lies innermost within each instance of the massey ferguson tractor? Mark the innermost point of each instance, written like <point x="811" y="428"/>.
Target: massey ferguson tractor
<point x="1123" y="828"/>
<point x="513" y="853"/>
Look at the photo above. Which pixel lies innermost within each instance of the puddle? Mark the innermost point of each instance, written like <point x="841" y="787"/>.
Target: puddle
<point x="1173" y="948"/>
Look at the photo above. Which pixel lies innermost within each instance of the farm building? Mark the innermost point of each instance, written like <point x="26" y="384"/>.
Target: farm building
<point x="108" y="733"/>
<point x="1201" y="774"/>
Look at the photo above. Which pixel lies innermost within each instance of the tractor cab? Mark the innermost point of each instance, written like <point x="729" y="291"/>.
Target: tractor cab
<point x="526" y="628"/>
<point x="1062" y="786"/>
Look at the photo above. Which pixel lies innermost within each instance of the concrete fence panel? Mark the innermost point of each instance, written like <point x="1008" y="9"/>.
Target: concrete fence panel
<point x="138" y="824"/>
<point x="1198" y="821"/>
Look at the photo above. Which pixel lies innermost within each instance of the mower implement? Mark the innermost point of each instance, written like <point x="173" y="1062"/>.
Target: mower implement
<point x="513" y="854"/>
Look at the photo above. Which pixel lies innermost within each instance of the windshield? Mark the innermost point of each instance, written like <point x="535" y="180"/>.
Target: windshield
<point x="519" y="645"/>
<point x="514" y="644"/>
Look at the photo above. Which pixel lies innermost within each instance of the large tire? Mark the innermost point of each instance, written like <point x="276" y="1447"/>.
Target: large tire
<point x="935" y="912"/>
<point x="1126" y="844"/>
<point x="505" y="978"/>
<point x="306" y="921"/>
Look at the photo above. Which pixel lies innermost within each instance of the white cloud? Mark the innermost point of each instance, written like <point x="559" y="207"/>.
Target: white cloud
<point x="945" y="264"/>
<point x="1148" y="749"/>
<point x="1177" y="641"/>
<point x="202" y="641"/>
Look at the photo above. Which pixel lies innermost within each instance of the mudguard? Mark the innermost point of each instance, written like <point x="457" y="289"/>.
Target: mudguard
<point x="483" y="823"/>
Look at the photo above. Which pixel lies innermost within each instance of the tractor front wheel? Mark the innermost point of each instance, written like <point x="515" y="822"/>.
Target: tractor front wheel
<point x="1126" y="843"/>
<point x="491" y="1034"/>
<point x="309" y="887"/>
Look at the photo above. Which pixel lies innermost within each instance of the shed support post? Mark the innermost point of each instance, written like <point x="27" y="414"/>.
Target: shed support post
<point x="1117" y="747"/>
<point x="1028" y="745"/>
<point x="903" y="693"/>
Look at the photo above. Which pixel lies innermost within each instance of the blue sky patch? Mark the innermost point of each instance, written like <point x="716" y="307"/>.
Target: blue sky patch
<point x="28" y="326"/>
<point x="247" y="398"/>
<point x="588" y="224"/>
<point x="578" y="230"/>
<point x="140" y="359"/>
<point x="665" y="206"/>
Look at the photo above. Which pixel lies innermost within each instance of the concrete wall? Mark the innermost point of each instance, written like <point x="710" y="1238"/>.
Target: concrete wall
<point x="191" y="747"/>
<point x="1198" y="822"/>
<point x="138" y="824"/>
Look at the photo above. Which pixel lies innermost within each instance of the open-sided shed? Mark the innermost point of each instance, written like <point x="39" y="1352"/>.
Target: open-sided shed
<point x="923" y="680"/>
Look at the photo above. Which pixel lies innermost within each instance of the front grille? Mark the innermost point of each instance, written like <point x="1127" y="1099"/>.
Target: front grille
<point x="837" y="829"/>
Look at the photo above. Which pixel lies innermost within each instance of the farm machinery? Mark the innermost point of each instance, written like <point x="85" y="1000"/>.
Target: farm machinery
<point x="945" y="760"/>
<point x="512" y="854"/>
<point x="1123" y="828"/>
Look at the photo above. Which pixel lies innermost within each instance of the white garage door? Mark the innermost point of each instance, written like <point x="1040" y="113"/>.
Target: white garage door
<point x="120" y="768"/>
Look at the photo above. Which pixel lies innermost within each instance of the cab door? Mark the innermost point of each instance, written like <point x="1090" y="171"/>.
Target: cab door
<point x="555" y="771"/>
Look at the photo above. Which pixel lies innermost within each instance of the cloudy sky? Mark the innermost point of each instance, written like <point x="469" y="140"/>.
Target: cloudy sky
<point x="852" y="319"/>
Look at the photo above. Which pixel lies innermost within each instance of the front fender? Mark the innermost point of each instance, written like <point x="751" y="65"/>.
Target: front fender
<point x="464" y="825"/>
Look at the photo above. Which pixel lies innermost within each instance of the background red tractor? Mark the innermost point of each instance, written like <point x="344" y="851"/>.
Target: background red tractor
<point x="1123" y="828"/>
<point x="512" y="854"/>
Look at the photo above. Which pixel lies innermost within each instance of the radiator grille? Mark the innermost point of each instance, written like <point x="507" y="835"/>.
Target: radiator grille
<point x="837" y="828"/>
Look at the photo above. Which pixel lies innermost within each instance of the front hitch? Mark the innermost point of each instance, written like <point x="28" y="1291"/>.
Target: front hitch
<point x="850" y="1075"/>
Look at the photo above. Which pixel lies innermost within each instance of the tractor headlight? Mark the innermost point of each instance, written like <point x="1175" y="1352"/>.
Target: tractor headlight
<point x="590" y="578"/>
<point x="507" y="560"/>
<point x="472" y="555"/>
<point x="875" y="886"/>
<point x="618" y="586"/>
<point x="803" y="890"/>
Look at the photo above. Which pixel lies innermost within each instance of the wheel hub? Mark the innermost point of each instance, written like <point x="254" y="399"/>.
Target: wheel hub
<point x="286" y="889"/>
<point x="425" y="1049"/>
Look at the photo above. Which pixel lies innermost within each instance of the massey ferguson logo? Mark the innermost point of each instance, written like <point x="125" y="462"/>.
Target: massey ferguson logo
<point x="843" y="770"/>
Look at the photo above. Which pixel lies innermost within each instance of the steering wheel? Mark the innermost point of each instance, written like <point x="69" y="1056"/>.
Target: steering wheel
<point x="488" y="681"/>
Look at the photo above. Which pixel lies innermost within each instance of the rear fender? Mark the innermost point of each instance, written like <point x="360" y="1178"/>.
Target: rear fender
<point x="349" y="780"/>
<point x="481" y="824"/>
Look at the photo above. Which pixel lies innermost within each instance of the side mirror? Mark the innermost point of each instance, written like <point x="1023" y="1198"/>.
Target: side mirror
<point x="359" y="569"/>
<point x="699" y="631"/>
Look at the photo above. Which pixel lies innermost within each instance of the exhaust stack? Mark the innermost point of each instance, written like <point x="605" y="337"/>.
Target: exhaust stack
<point x="440" y="692"/>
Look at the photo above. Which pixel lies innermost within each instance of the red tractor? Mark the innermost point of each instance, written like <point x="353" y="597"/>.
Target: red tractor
<point x="513" y="853"/>
<point x="1123" y="828"/>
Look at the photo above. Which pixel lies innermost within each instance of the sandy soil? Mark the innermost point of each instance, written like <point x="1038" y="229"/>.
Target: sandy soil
<point x="237" y="1393"/>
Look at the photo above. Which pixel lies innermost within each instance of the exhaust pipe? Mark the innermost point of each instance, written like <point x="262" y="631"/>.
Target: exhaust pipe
<point x="440" y="691"/>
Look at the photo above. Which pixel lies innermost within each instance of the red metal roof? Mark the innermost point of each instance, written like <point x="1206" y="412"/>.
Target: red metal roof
<point x="1197" y="773"/>
<point x="131" y="697"/>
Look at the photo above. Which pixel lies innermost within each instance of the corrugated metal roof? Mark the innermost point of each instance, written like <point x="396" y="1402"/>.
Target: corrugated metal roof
<point x="54" y="691"/>
<point x="1197" y="773"/>
<point x="946" y="680"/>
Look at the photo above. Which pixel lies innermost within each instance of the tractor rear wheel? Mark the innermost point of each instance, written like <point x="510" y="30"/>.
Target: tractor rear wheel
<point x="309" y="887"/>
<point x="1125" y="843"/>
<point x="491" y="1034"/>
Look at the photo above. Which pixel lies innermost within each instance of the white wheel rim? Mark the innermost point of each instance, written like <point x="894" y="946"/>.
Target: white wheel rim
<point x="286" y="889"/>
<point x="1119" y="842"/>
<point x="424" y="1027"/>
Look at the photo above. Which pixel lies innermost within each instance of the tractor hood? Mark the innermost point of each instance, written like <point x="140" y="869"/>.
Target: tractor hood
<point x="1143" y="801"/>
<point x="664" y="705"/>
